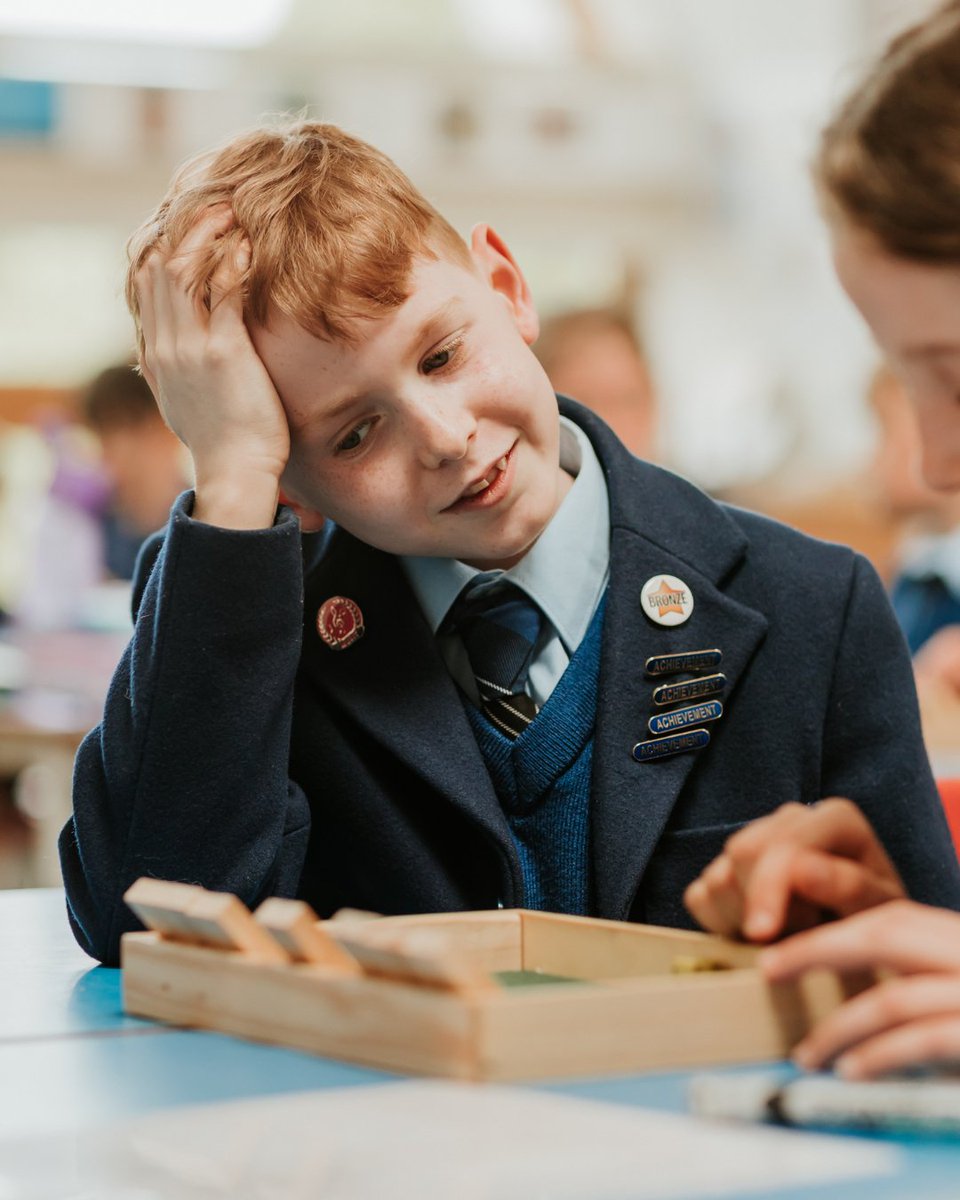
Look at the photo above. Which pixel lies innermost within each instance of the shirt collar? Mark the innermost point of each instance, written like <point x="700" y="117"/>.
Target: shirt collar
<point x="567" y="586"/>
<point x="933" y="554"/>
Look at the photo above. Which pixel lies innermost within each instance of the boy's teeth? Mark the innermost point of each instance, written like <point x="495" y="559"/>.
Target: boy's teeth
<point x="476" y="488"/>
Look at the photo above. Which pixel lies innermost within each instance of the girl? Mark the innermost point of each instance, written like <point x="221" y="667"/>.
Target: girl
<point x="888" y="173"/>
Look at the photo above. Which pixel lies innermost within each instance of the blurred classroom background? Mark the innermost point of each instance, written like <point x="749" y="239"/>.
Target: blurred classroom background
<point x="646" y="160"/>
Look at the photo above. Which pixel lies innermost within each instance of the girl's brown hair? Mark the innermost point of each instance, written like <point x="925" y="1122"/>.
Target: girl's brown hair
<point x="889" y="162"/>
<point x="333" y="225"/>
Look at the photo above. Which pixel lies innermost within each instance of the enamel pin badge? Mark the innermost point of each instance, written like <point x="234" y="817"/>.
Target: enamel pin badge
<point x="689" y="689"/>
<point x="681" y="718"/>
<point x="689" y="661"/>
<point x="666" y="600"/>
<point x="339" y="622"/>
<point x="677" y="743"/>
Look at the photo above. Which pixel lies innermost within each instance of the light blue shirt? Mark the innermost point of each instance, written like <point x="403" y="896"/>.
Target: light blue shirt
<point x="565" y="572"/>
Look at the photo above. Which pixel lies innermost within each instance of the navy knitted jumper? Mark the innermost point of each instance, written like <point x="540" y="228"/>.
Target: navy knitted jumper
<point x="543" y="783"/>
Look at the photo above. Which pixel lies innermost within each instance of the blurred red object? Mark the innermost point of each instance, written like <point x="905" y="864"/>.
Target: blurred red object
<point x="950" y="798"/>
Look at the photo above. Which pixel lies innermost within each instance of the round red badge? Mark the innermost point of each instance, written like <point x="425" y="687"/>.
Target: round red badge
<point x="339" y="622"/>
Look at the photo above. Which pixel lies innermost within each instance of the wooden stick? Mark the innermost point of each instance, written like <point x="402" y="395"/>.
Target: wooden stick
<point x="162" y="906"/>
<point x="294" y="925"/>
<point x="356" y="915"/>
<point x="222" y="920"/>
<point x="188" y="913"/>
<point x="423" y="956"/>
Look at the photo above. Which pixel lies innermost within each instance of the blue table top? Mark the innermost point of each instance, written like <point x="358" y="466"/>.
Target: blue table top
<point x="70" y="1059"/>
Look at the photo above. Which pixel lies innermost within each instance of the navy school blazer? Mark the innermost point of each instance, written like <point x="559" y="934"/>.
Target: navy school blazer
<point x="239" y="752"/>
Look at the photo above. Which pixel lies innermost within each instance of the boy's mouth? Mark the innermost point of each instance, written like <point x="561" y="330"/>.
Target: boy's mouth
<point x="482" y="484"/>
<point x="487" y="488"/>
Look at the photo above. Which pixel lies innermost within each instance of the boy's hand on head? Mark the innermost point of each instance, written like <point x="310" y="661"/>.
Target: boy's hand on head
<point x="793" y="869"/>
<point x="909" y="1019"/>
<point x="210" y="384"/>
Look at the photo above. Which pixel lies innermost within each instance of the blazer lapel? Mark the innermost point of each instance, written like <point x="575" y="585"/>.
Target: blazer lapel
<point x="660" y="524"/>
<point x="393" y="681"/>
<point x="632" y="801"/>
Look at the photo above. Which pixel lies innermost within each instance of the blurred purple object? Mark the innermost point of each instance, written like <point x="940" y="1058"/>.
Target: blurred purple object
<point x="80" y="484"/>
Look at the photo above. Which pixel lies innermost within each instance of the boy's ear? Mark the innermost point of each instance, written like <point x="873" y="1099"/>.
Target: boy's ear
<point x="310" y="520"/>
<point x="497" y="266"/>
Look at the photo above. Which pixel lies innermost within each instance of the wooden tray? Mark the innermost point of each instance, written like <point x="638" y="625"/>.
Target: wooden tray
<point x="452" y="994"/>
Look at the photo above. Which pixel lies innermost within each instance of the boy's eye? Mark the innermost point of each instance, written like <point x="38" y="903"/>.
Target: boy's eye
<point x="440" y="358"/>
<point x="354" y="437"/>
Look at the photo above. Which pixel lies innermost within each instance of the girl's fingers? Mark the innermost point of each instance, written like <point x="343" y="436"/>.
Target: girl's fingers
<point x="878" y="1011"/>
<point x="841" y="885"/>
<point x="900" y="936"/>
<point x="768" y="890"/>
<point x="823" y="881"/>
<point x="714" y="900"/>
<point x="835" y="826"/>
<point x="932" y="1040"/>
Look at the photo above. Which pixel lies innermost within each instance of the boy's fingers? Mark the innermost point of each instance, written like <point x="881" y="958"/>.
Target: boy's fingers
<point x="880" y="1009"/>
<point x="714" y="900"/>
<point x="156" y="317"/>
<point x="226" y="297"/>
<point x="151" y="380"/>
<point x="212" y="223"/>
<point x="188" y="304"/>
<point x="899" y="935"/>
<point x="148" y="324"/>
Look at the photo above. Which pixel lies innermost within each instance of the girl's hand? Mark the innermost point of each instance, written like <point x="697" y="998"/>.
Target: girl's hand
<point x="789" y="870"/>
<point x="912" y="1019"/>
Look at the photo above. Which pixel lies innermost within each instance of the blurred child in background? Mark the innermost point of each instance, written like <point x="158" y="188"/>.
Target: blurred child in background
<point x="594" y="356"/>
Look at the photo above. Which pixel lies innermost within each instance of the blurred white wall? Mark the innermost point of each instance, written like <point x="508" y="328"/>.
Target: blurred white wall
<point x="653" y="151"/>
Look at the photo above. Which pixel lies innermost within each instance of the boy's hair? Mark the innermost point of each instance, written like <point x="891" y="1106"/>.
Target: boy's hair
<point x="118" y="398"/>
<point x="333" y="225"/>
<point x="889" y="162"/>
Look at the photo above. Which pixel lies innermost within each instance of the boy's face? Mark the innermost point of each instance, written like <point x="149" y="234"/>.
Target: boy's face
<point x="393" y="435"/>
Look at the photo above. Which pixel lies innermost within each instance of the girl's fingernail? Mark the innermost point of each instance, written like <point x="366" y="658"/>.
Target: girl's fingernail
<point x="802" y="1057"/>
<point x="760" y="924"/>
<point x="846" y="1067"/>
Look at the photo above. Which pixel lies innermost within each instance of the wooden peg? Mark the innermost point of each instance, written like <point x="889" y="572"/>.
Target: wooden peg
<point x="188" y="913"/>
<point x="422" y="956"/>
<point x="162" y="906"/>
<point x="294" y="925"/>
<point x="220" y="919"/>
<point x="355" y="915"/>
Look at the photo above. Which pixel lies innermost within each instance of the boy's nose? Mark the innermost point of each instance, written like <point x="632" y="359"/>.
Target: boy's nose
<point x="443" y="430"/>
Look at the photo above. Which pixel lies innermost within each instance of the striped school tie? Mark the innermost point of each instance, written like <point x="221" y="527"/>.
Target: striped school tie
<point x="499" y="627"/>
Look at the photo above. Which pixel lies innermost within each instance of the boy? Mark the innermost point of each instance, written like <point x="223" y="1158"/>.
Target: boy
<point x="142" y="458"/>
<point x="341" y="719"/>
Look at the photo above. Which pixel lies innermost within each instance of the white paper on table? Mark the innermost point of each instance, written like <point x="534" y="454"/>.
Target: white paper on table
<point x="426" y="1140"/>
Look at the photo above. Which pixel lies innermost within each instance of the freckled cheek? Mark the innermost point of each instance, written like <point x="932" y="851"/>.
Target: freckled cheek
<point x="366" y="493"/>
